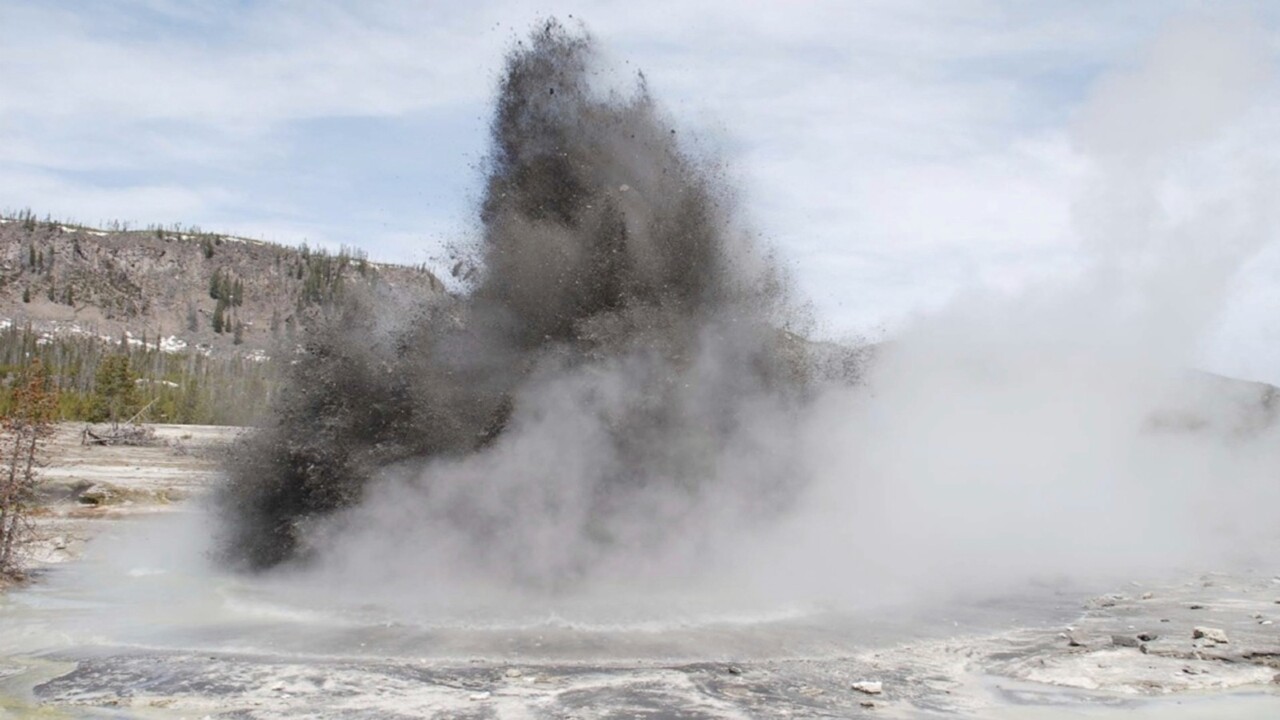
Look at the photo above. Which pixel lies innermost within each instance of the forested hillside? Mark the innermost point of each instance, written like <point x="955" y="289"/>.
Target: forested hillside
<point x="190" y="322"/>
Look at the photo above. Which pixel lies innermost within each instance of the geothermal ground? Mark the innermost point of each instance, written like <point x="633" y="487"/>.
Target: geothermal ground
<point x="126" y="618"/>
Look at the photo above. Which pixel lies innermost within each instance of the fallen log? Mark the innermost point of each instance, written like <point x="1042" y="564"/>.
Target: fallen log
<point x="133" y="435"/>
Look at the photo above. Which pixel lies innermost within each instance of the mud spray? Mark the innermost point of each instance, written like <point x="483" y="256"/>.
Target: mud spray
<point x="621" y="403"/>
<point x="609" y="390"/>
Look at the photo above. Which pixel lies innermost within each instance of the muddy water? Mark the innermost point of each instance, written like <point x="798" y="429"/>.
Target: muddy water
<point x="144" y="626"/>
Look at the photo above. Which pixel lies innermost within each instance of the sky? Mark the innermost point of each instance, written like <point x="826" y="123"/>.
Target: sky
<point x="895" y="154"/>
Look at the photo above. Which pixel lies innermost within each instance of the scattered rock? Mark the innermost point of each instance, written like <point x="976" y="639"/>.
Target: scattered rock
<point x="867" y="704"/>
<point x="1124" y="641"/>
<point x="1195" y="606"/>
<point x="1072" y="641"/>
<point x="1211" y="634"/>
<point x="59" y="542"/>
<point x="96" y="495"/>
<point x="481" y="695"/>
<point x="513" y="672"/>
<point x="869" y="687"/>
<point x="1276" y="680"/>
<point x="734" y="670"/>
<point x="1148" y="636"/>
<point x="1148" y="595"/>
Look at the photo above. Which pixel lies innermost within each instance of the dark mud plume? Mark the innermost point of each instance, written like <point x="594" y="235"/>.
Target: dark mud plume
<point x="623" y="355"/>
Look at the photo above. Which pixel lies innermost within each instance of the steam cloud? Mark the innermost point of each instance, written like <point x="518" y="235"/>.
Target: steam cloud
<point x="621" y="399"/>
<point x="584" y="399"/>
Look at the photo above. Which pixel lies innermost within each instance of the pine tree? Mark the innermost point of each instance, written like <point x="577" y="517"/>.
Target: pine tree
<point x="27" y="426"/>
<point x="193" y="323"/>
<point x="239" y="334"/>
<point x="189" y="410"/>
<point x="26" y="294"/>
<point x="115" y="392"/>
<point x="219" y="316"/>
<point x="215" y="285"/>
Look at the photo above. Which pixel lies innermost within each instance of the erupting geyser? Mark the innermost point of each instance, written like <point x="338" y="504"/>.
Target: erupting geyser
<point x="614" y="379"/>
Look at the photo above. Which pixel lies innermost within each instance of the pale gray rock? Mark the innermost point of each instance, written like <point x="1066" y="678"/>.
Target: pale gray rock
<point x="1216" y="635"/>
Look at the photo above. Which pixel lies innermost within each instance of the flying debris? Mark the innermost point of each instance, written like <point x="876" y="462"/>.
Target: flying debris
<point x="608" y="367"/>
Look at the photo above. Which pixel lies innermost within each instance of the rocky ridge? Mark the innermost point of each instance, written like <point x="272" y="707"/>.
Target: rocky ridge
<point x="159" y="285"/>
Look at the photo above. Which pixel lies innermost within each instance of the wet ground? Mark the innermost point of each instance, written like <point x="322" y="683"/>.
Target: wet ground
<point x="141" y="626"/>
<point x="106" y="636"/>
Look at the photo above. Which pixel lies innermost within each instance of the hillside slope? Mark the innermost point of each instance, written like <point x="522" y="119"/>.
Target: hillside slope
<point x="161" y="284"/>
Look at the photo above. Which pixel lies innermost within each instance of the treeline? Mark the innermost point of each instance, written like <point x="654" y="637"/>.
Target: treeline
<point x="321" y="273"/>
<point x="30" y="221"/>
<point x="99" y="381"/>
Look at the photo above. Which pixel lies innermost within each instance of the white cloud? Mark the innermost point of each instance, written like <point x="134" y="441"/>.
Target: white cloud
<point x="278" y="62"/>
<point x="896" y="152"/>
